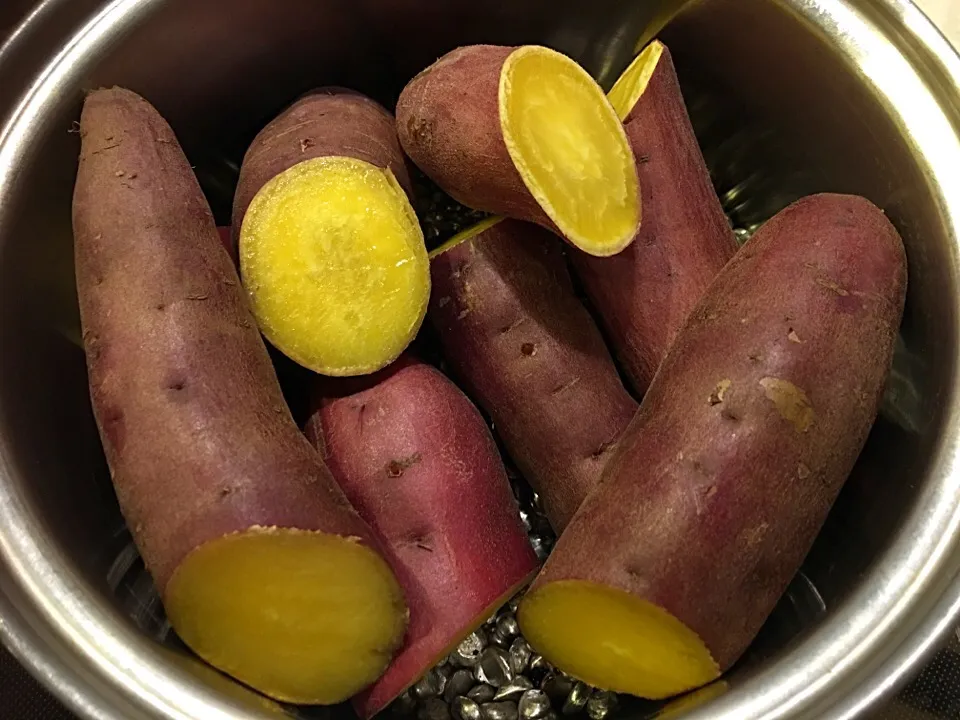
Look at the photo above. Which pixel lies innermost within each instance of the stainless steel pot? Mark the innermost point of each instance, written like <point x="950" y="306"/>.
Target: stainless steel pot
<point x="789" y="96"/>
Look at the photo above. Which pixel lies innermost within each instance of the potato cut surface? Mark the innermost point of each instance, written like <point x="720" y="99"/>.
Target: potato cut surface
<point x="626" y="92"/>
<point x="330" y="604"/>
<point x="613" y="640"/>
<point x="570" y="149"/>
<point x="335" y="266"/>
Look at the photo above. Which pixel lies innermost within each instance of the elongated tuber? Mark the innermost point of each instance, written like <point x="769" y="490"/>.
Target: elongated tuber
<point x="643" y="295"/>
<point x="524" y="347"/>
<point x="722" y="482"/>
<point x="263" y="567"/>
<point x="418" y="462"/>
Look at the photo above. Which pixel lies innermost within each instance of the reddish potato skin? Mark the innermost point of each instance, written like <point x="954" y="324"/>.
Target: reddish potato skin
<point x="644" y="294"/>
<point x="197" y="435"/>
<point x="416" y="459"/>
<point x="715" y="496"/>
<point x="326" y="122"/>
<point x="528" y="352"/>
<point x="448" y="121"/>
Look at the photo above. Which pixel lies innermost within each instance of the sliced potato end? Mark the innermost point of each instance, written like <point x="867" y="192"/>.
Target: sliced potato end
<point x="570" y="149"/>
<point x="334" y="263"/>
<point x="631" y="85"/>
<point x="303" y="617"/>
<point x="610" y="639"/>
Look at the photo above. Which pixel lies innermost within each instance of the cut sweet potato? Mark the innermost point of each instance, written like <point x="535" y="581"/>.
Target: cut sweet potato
<point x="331" y="253"/>
<point x="722" y="482"/>
<point x="644" y="294"/>
<point x="526" y="133"/>
<point x="517" y="337"/>
<point x="264" y="568"/>
<point x="418" y="462"/>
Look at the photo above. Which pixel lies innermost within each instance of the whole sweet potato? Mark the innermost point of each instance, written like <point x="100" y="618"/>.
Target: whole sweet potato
<point x="416" y="459"/>
<point x="723" y="480"/>
<point x="264" y="568"/>
<point x="515" y="334"/>
<point x="644" y="294"/>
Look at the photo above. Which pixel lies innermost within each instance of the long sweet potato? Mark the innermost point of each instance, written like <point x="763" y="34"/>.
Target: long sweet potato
<point x="528" y="352"/>
<point x="741" y="445"/>
<point x="644" y="294"/>
<point x="416" y="459"/>
<point x="526" y="133"/>
<point x="264" y="568"/>
<point x="331" y="253"/>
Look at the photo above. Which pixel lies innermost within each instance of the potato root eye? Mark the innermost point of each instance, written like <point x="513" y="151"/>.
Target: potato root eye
<point x="335" y="266"/>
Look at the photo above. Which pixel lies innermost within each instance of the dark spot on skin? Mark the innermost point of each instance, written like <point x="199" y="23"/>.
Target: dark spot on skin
<point x="225" y="492"/>
<point x="396" y="468"/>
<point x="176" y="381"/>
<point x="114" y="428"/>
<point x="602" y="449"/>
<point x="643" y="159"/>
<point x="730" y="415"/>
<point x="306" y="144"/>
<point x="754" y="357"/>
<point x="99" y="280"/>
<point x="161" y="306"/>
<point x="710" y="491"/>
<point x="528" y="349"/>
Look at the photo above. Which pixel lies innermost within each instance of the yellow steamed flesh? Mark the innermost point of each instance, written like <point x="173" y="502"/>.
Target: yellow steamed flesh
<point x="334" y="263"/>
<point x="570" y="148"/>
<point x="613" y="640"/>
<point x="633" y="83"/>
<point x="303" y="617"/>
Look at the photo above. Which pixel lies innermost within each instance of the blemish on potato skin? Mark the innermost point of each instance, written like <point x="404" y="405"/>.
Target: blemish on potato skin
<point x="528" y="349"/>
<point x="791" y="402"/>
<point x="803" y="472"/>
<point x="793" y="337"/>
<point x="396" y="468"/>
<point x="716" y="397"/>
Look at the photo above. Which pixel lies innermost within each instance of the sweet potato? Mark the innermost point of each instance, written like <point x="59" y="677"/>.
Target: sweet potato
<point x="526" y="133"/>
<point x="643" y="295"/>
<point x="723" y="480"/>
<point x="416" y="459"/>
<point x="527" y="351"/>
<point x="331" y="253"/>
<point x="264" y="568"/>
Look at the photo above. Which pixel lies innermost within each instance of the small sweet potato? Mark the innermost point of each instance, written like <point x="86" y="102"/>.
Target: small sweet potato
<point x="526" y="133"/>
<point x="722" y="482"/>
<point x="330" y="250"/>
<point x="524" y="347"/>
<point x="416" y="459"/>
<point x="264" y="568"/>
<point x="643" y="295"/>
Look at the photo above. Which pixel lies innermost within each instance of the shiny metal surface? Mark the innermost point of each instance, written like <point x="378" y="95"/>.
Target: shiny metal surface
<point x="789" y="96"/>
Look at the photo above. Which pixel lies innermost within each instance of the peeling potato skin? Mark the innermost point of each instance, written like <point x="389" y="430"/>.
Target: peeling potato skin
<point x="527" y="351"/>
<point x="644" y="294"/>
<point x="198" y="438"/>
<point x="723" y="480"/>
<point x="417" y="460"/>
<point x="448" y="120"/>
<point x="326" y="122"/>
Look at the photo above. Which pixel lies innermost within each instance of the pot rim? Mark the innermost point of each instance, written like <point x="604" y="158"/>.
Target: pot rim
<point x="71" y="640"/>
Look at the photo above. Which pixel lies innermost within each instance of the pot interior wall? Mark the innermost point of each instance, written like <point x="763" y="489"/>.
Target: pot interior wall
<point x="777" y="111"/>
